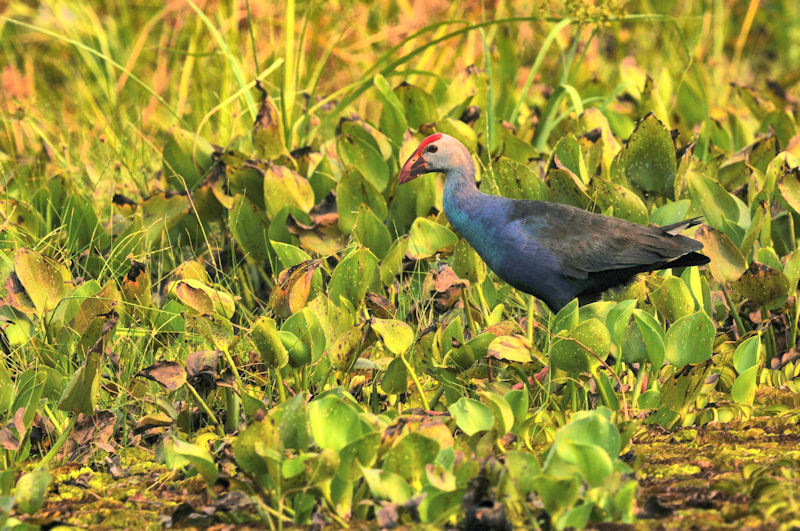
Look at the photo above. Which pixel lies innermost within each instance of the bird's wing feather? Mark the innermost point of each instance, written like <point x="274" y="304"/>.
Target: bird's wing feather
<point x="585" y="242"/>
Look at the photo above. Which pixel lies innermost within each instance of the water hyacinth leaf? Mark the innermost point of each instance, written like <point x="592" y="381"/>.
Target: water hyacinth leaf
<point x="291" y="420"/>
<point x="743" y="390"/>
<point x="713" y="200"/>
<point x="395" y="379"/>
<point x="305" y="325"/>
<point x="768" y="256"/>
<point x="501" y="411"/>
<point x="352" y="191"/>
<point x="514" y="348"/>
<point x="567" y="188"/>
<point x="397" y="336"/>
<point x="82" y="226"/>
<point x="346" y="349"/>
<point x="334" y="423"/>
<point x="568" y="152"/>
<point x="460" y="131"/>
<point x="203" y="299"/>
<point x="268" y="137"/>
<point x="176" y="451"/>
<point x="464" y="356"/>
<point x="426" y="238"/>
<point x="467" y="264"/>
<point x="393" y="119"/>
<point x="582" y="349"/>
<point x="285" y="187"/>
<point x="747" y="354"/>
<point x="626" y="204"/>
<point x="187" y="159"/>
<point x="763" y="285"/>
<point x="789" y="186"/>
<point x="567" y="317"/>
<point x="249" y="228"/>
<point x="522" y="467"/>
<point x="45" y="281"/>
<point x="652" y="335"/>
<point x="268" y="343"/>
<point x="673" y="299"/>
<point x="516" y="180"/>
<point x="257" y="451"/>
<point x="387" y="486"/>
<point x="392" y="263"/>
<point x="617" y="319"/>
<point x="216" y="330"/>
<point x="354" y="150"/>
<point x="80" y="395"/>
<point x="471" y="416"/>
<point x="31" y="490"/>
<point x="357" y="455"/>
<point x="353" y="276"/>
<point x="370" y="232"/>
<point x="288" y="255"/>
<point x="420" y="107"/>
<point x="689" y="340"/>
<point x="293" y="287"/>
<point x="409" y="455"/>
<point x="648" y="158"/>
<point x="298" y="352"/>
<point x="670" y="212"/>
<point x="727" y="263"/>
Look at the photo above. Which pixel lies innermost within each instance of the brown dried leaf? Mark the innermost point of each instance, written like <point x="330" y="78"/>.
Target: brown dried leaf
<point x="168" y="373"/>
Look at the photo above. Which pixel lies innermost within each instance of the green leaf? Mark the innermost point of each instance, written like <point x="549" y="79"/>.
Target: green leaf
<point x="306" y="326"/>
<point x="522" y="467"/>
<point x="471" y="416"/>
<point x="673" y="299"/>
<point x="395" y="379"/>
<point x="743" y="390"/>
<point x="409" y="455"/>
<point x="747" y="354"/>
<point x="625" y="203"/>
<point x="199" y="457"/>
<point x="80" y="395"/>
<point x="501" y="411"/>
<point x="689" y="340"/>
<point x="578" y="352"/>
<point x="727" y="263"/>
<point x="387" y="486"/>
<point x="652" y="335"/>
<point x="249" y="228"/>
<point x="370" y="232"/>
<point x="353" y="276"/>
<point x="357" y="148"/>
<point x="284" y="187"/>
<point x="268" y="343"/>
<point x="187" y="159"/>
<point x="670" y="212"/>
<point x="517" y="181"/>
<point x="397" y="336"/>
<point x="203" y="299"/>
<point x="334" y="424"/>
<point x="352" y="191"/>
<point x="718" y="206"/>
<point x="648" y="159"/>
<point x="31" y="490"/>
<point x="426" y="238"/>
<point x="420" y="107"/>
<point x="45" y="280"/>
<point x="393" y="120"/>
<point x="514" y="348"/>
<point x="763" y="285"/>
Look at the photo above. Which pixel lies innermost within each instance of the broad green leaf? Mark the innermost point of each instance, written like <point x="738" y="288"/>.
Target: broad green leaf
<point x="670" y="212"/>
<point x="727" y="263"/>
<point x="268" y="343"/>
<point x="652" y="335"/>
<point x="393" y="120"/>
<point x="203" y="299"/>
<point x="45" y="280"/>
<point x="348" y="346"/>
<point x="471" y="416"/>
<point x="743" y="390"/>
<point x="718" y="206"/>
<point x="249" y="228"/>
<point x="518" y="181"/>
<point x="388" y="486"/>
<point x="187" y="159"/>
<point x="306" y="326"/>
<point x="689" y="340"/>
<point x="31" y="490"/>
<point x="426" y="238"/>
<point x="298" y="352"/>
<point x="370" y="232"/>
<point x="673" y="299"/>
<point x="353" y="276"/>
<point x="357" y="151"/>
<point x="397" y="336"/>
<point x="522" y="467"/>
<point x="648" y="158"/>
<point x="747" y="354"/>
<point x="334" y="423"/>
<point x="510" y="348"/>
<point x="198" y="456"/>
<point x="579" y="351"/>
<point x="501" y="411"/>
<point x="763" y="285"/>
<point x="352" y="191"/>
<point x="395" y="379"/>
<point x="284" y="187"/>
<point x="409" y="455"/>
<point x="420" y="107"/>
<point x="625" y="202"/>
<point x="80" y="395"/>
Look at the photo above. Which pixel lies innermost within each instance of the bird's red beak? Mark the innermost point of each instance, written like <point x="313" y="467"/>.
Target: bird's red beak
<point x="413" y="168"/>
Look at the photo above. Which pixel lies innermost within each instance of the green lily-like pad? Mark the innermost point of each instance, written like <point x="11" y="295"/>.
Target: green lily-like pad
<point x="689" y="340"/>
<point x="471" y="416"/>
<point x="353" y="276"/>
<point x="249" y="228"/>
<point x="187" y="159"/>
<point x="420" y="107"/>
<point x="393" y="119"/>
<point x="580" y="349"/>
<point x="352" y="191"/>
<point x="45" y="281"/>
<point x="397" y="336"/>
<point x="409" y="456"/>
<point x="203" y="299"/>
<point x="370" y="232"/>
<point x="712" y="199"/>
<point x="334" y="423"/>
<point x="567" y="187"/>
<point x="648" y="158"/>
<point x="673" y="299"/>
<point x="763" y="285"/>
<point x="518" y="181"/>
<point x="395" y="379"/>
<point x="625" y="202"/>
<point x="265" y="337"/>
<point x="426" y="238"/>
<point x="356" y="148"/>
<point x="727" y="263"/>
<point x="346" y="349"/>
<point x="514" y="348"/>
<point x="285" y="187"/>
<point x="306" y="326"/>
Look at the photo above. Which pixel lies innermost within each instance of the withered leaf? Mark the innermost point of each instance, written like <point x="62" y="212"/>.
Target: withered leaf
<point x="293" y="287"/>
<point x="8" y="440"/>
<point x="380" y="306"/>
<point x="170" y="374"/>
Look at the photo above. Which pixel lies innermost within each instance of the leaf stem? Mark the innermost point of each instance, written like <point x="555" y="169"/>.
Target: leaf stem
<point x="413" y="374"/>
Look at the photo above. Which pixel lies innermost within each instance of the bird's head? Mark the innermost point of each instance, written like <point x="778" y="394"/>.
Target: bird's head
<point x="437" y="153"/>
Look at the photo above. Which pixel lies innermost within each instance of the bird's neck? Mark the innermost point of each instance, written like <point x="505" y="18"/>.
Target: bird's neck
<point x="461" y="198"/>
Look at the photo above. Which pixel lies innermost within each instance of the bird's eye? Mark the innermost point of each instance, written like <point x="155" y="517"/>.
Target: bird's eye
<point x="432" y="149"/>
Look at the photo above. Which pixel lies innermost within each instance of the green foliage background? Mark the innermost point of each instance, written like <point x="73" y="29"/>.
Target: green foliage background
<point x="211" y="271"/>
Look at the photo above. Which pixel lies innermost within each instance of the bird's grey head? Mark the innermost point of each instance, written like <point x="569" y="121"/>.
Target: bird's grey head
<point x="437" y="153"/>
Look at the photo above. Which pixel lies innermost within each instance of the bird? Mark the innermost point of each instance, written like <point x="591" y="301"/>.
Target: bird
<point x="553" y="251"/>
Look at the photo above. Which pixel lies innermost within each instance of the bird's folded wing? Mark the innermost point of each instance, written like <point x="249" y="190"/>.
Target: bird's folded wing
<point x="587" y="243"/>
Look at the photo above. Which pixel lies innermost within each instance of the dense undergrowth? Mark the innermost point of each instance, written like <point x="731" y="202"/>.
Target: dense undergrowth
<point x="216" y="293"/>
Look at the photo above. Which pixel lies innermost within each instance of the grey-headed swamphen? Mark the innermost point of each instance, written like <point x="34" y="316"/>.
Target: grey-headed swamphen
<point x="552" y="251"/>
